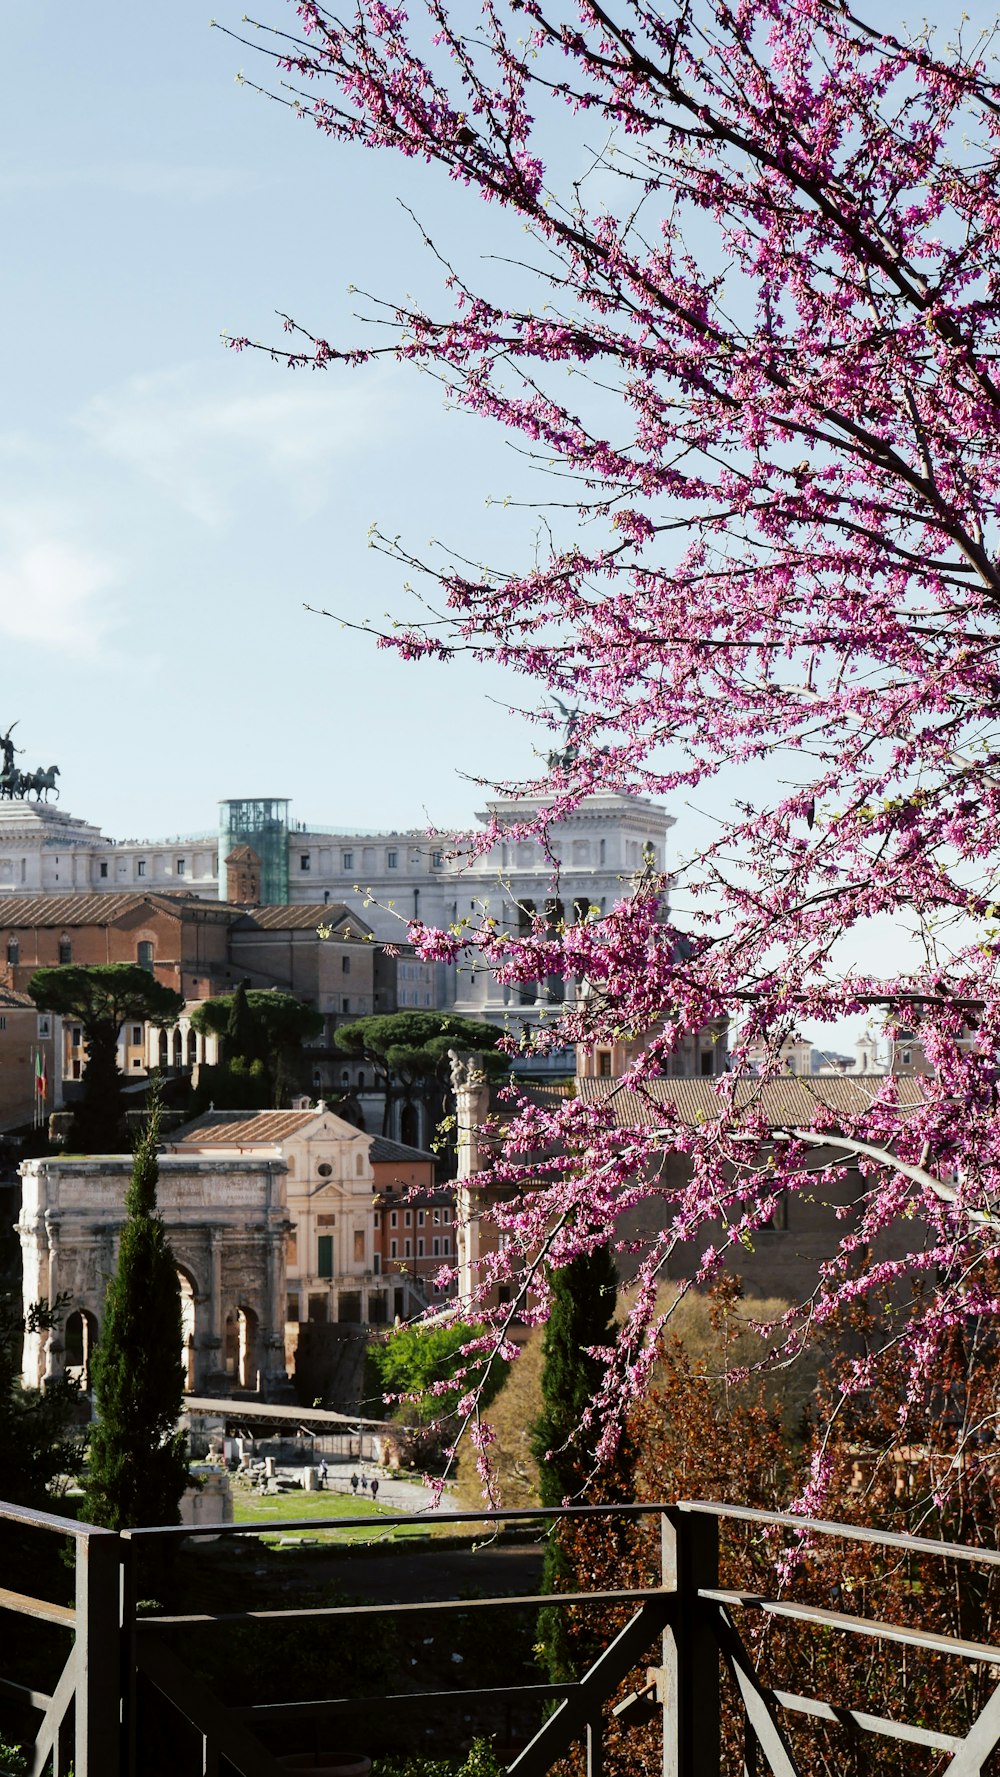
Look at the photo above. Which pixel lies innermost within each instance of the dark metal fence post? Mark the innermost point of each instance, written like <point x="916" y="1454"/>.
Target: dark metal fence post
<point x="98" y="1649"/>
<point x="129" y="1664"/>
<point x="691" y="1729"/>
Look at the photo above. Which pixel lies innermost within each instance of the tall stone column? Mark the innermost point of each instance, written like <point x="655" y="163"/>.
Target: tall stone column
<point x="472" y="1101"/>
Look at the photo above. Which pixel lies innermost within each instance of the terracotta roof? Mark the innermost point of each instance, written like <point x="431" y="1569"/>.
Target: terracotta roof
<point x="384" y="1149"/>
<point x="11" y="1001"/>
<point x="243" y="1129"/>
<point x="300" y="917"/>
<point x="85" y="910"/>
<point x="787" y="1102"/>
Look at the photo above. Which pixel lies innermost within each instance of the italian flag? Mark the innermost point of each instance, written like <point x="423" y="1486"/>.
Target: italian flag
<point x="41" y="1076"/>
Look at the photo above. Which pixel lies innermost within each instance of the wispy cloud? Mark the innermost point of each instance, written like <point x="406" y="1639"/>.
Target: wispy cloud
<point x="133" y="178"/>
<point x="209" y="448"/>
<point x="55" y="591"/>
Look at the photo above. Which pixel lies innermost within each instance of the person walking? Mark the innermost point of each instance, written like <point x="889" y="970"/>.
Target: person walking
<point x="374" y="1486"/>
<point x="354" y="1483"/>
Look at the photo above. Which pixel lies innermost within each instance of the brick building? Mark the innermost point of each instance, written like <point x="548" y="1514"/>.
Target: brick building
<point x="414" y="1225"/>
<point x="25" y="1035"/>
<point x="323" y="953"/>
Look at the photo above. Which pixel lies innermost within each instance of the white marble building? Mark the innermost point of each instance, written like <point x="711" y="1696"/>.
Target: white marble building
<point x="387" y="877"/>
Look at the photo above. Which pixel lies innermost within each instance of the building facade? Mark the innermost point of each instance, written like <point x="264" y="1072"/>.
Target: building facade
<point x="259" y="855"/>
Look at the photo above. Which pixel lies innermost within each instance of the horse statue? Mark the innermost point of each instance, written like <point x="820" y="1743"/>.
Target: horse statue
<point x="39" y="781"/>
<point x="12" y="782"/>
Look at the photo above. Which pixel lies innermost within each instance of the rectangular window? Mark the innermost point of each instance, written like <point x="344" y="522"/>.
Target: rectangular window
<point x="377" y="1219"/>
<point x="136" y="1035"/>
<point x="140" y="868"/>
<point x="77" y="1036"/>
<point x="436" y="1248"/>
<point x="347" y="860"/>
<point x="181" y="866"/>
<point x="359" y="1246"/>
<point x="446" y="1215"/>
<point x="304" y="860"/>
<point x="446" y="1243"/>
<point x="393" y="1248"/>
<point x="407" y="1249"/>
<point x="324" y="1245"/>
<point x="394" y="1219"/>
<point x="377" y="1264"/>
<point x="345" y="965"/>
<point x="420" y="1249"/>
<point x="102" y="869"/>
<point x="65" y="950"/>
<point x="391" y="859"/>
<point x="345" y="1004"/>
<point x="420" y="1218"/>
<point x="408" y="1218"/>
<point x="437" y="859"/>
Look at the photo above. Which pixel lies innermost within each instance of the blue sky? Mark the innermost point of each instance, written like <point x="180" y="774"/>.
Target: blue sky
<point x="166" y="506"/>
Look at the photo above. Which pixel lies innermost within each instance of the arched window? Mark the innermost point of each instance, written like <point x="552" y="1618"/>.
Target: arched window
<point x="65" y="948"/>
<point x="13" y="949"/>
<point x="144" y="955"/>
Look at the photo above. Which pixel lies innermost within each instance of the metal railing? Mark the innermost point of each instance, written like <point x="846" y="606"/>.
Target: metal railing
<point x="685" y="1626"/>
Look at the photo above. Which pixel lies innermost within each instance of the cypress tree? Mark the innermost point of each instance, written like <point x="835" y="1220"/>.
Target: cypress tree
<point x="243" y="1037"/>
<point x="138" y="1458"/>
<point x="581" y="1315"/>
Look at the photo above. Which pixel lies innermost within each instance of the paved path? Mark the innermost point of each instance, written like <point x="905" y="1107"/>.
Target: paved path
<point x="396" y="1494"/>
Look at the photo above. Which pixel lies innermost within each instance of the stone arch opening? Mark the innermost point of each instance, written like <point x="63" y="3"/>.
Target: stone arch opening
<point x="178" y="1051"/>
<point x="409" y="1126"/>
<point x="80" y="1343"/>
<point x="188" y="1293"/>
<point x="241" y="1348"/>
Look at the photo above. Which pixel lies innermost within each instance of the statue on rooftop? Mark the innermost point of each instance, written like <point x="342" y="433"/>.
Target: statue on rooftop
<point x="563" y="757"/>
<point x="15" y="783"/>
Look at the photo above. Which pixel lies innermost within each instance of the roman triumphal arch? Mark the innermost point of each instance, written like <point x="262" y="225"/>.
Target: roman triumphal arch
<point x="227" y="1223"/>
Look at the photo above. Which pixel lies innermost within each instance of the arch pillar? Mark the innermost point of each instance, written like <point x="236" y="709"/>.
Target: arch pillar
<point x="210" y="1339"/>
<point x="55" y="1350"/>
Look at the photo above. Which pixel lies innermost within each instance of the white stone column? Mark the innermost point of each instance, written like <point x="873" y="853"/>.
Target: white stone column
<point x="472" y="1098"/>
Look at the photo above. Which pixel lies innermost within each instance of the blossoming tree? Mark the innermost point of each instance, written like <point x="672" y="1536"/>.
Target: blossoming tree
<point x="783" y="435"/>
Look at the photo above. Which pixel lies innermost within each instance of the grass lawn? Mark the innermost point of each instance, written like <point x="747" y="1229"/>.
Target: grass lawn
<point x="308" y="1509"/>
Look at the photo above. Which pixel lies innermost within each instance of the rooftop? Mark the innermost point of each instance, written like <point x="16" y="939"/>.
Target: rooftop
<point x="789" y="1100"/>
<point x="243" y="1129"/>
